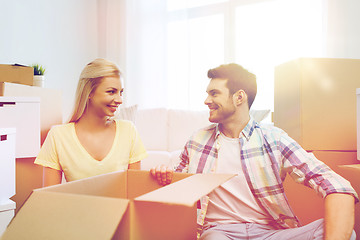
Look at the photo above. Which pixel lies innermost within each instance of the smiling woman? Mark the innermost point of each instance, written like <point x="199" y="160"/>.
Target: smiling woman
<point x="92" y="143"/>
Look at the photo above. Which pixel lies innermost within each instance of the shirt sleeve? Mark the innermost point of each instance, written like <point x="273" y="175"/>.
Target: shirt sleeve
<point x="137" y="152"/>
<point x="183" y="165"/>
<point x="305" y="168"/>
<point x="48" y="156"/>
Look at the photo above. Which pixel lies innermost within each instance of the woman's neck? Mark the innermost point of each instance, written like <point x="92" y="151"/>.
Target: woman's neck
<point x="94" y="123"/>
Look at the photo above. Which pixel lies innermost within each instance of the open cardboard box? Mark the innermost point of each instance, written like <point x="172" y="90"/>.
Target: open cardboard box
<point x="119" y="205"/>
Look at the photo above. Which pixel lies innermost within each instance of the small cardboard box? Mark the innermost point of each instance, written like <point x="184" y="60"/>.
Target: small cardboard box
<point x="315" y="102"/>
<point x="119" y="205"/>
<point x="17" y="74"/>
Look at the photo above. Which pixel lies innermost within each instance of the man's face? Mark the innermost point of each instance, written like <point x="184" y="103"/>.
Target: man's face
<point x="219" y="101"/>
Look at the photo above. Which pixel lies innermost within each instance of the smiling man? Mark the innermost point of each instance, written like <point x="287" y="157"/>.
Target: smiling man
<point x="253" y="205"/>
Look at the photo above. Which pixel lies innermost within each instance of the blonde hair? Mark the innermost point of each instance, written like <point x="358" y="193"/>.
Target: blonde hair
<point x="90" y="78"/>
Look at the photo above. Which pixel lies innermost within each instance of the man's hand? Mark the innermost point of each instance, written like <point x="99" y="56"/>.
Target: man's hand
<point x="163" y="174"/>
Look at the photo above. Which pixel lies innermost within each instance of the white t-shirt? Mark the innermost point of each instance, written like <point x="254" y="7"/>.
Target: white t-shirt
<point x="62" y="150"/>
<point x="233" y="201"/>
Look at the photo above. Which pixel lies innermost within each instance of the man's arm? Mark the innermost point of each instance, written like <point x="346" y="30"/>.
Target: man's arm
<point x="163" y="174"/>
<point x="339" y="216"/>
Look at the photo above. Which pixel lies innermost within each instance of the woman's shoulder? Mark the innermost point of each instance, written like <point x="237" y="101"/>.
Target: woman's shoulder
<point x="61" y="128"/>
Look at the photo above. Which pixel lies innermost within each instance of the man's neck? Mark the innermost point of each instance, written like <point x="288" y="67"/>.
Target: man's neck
<point x="232" y="129"/>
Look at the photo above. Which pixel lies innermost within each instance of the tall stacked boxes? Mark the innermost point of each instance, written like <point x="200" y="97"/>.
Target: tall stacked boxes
<point x="22" y="114"/>
<point x="315" y="103"/>
<point x="7" y="176"/>
<point x="28" y="174"/>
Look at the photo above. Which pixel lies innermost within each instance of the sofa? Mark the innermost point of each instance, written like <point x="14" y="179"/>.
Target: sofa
<point x="164" y="132"/>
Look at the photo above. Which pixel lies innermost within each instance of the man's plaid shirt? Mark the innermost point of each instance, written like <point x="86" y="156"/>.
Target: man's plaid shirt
<point x="267" y="155"/>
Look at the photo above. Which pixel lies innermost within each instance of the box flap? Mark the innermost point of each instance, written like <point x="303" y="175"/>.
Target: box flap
<point x="142" y="182"/>
<point x="112" y="184"/>
<point x="51" y="215"/>
<point x="351" y="167"/>
<point x="187" y="191"/>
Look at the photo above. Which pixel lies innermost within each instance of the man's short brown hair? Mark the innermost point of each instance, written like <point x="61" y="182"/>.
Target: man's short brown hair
<point x="237" y="78"/>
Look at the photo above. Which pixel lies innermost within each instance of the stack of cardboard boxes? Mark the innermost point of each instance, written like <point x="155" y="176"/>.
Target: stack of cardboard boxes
<point x="16" y="82"/>
<point x="315" y="103"/>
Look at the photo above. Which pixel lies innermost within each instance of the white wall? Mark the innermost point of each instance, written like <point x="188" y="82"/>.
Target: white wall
<point x="62" y="35"/>
<point x="343" y="28"/>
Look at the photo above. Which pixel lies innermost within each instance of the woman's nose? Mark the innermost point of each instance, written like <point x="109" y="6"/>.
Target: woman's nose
<point x="118" y="99"/>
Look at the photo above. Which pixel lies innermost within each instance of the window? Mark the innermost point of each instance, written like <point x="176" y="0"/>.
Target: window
<point x="191" y="36"/>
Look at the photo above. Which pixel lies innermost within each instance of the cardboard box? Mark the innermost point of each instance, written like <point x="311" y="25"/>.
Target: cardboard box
<point x="358" y="121"/>
<point x="315" y="102"/>
<point x="119" y="205"/>
<point x="307" y="205"/>
<point x="6" y="214"/>
<point x="351" y="173"/>
<point x="335" y="159"/>
<point x="16" y="74"/>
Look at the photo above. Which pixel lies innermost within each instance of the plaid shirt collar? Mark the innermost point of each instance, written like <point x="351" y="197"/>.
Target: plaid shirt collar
<point x="246" y="132"/>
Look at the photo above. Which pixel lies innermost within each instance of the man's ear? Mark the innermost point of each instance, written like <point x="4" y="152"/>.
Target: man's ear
<point x="240" y="97"/>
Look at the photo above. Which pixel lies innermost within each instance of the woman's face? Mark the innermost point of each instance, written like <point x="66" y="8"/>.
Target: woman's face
<point x="105" y="99"/>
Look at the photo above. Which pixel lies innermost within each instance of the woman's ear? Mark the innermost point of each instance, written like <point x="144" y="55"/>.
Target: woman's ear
<point x="240" y="97"/>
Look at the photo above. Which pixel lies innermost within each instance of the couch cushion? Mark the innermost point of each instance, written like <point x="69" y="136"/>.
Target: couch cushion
<point x="152" y="127"/>
<point x="156" y="158"/>
<point x="126" y="113"/>
<point x="182" y="124"/>
<point x="259" y="115"/>
<point x="175" y="157"/>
